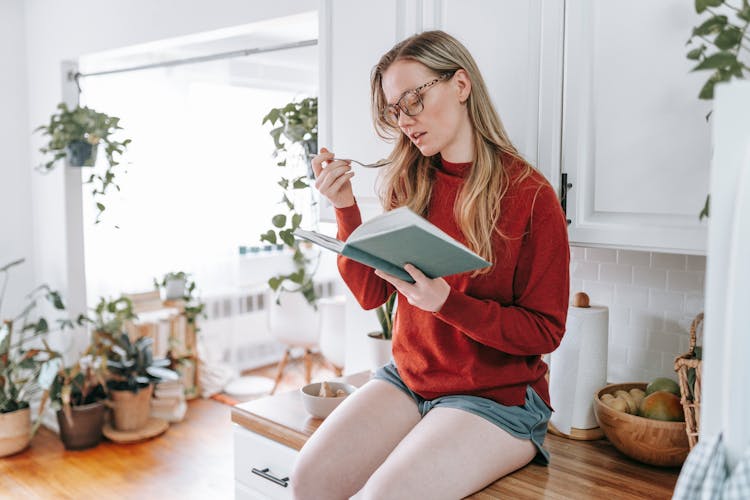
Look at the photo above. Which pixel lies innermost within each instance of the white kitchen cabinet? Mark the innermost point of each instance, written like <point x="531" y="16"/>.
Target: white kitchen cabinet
<point x="261" y="466"/>
<point x="598" y="91"/>
<point x="635" y="140"/>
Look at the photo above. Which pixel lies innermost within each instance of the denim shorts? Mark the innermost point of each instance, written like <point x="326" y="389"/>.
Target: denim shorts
<point x="528" y="421"/>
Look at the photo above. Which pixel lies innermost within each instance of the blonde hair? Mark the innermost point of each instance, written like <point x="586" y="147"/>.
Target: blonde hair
<point x="409" y="179"/>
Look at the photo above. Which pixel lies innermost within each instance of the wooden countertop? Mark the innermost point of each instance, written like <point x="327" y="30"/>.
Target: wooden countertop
<point x="578" y="469"/>
<point x="282" y="417"/>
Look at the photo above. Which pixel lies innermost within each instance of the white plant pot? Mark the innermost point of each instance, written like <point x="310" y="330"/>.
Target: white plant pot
<point x="333" y="329"/>
<point x="15" y="431"/>
<point x="379" y="350"/>
<point x="293" y="321"/>
<point x="175" y="289"/>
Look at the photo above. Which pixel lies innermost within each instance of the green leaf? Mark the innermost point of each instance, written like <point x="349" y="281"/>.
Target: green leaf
<point x="284" y="183"/>
<point x="279" y="220"/>
<point x="717" y="60"/>
<point x="275" y="283"/>
<point x="296" y="220"/>
<point x="711" y="25"/>
<point x="287" y="237"/>
<point x="706" y="208"/>
<point x="728" y="38"/>
<point x="696" y="54"/>
<point x="269" y="236"/>
<point x="744" y="13"/>
<point x="297" y="277"/>
<point x="300" y="183"/>
<point x="701" y="5"/>
<point x="707" y="92"/>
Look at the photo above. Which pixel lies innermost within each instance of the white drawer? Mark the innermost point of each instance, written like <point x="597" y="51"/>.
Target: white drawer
<point x="272" y="462"/>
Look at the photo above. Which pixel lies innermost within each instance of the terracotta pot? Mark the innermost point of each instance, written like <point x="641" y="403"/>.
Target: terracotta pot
<point x="131" y="410"/>
<point x="85" y="430"/>
<point x="379" y="349"/>
<point x="15" y="431"/>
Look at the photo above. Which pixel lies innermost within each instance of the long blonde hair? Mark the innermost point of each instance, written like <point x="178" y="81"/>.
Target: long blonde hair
<point x="409" y="180"/>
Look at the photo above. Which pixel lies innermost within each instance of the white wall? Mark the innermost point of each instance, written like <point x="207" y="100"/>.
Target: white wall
<point x="15" y="170"/>
<point x="64" y="31"/>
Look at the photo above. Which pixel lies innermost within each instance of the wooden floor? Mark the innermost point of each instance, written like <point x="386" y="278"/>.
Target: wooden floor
<point x="194" y="460"/>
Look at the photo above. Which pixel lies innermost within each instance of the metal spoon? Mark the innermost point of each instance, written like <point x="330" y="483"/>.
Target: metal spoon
<point x="377" y="164"/>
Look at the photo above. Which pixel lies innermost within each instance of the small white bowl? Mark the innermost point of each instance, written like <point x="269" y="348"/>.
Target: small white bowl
<point x="320" y="407"/>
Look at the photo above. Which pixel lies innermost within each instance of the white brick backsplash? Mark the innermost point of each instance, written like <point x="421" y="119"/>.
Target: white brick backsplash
<point x="664" y="342"/>
<point x="584" y="270"/>
<point x="694" y="303"/>
<point x="665" y="301"/>
<point x="653" y="298"/>
<point x="696" y="263"/>
<point x="619" y="315"/>
<point x="577" y="253"/>
<point x="651" y="278"/>
<point x="646" y="320"/>
<point x="628" y="337"/>
<point x="599" y="293"/>
<point x="669" y="261"/>
<point x="601" y="255"/>
<point x="684" y="281"/>
<point x="644" y="359"/>
<point x="633" y="296"/>
<point x="633" y="258"/>
<point x="616" y="273"/>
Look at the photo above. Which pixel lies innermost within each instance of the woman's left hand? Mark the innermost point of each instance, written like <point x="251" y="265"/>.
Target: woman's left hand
<point x="425" y="293"/>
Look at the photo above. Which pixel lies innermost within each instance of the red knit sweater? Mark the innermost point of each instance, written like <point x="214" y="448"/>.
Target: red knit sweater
<point x="488" y="338"/>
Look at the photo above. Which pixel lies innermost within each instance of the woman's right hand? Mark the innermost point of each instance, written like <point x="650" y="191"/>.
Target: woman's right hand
<point x="332" y="179"/>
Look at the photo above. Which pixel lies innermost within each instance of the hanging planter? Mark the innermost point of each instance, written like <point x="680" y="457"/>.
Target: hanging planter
<point x="75" y="135"/>
<point x="81" y="154"/>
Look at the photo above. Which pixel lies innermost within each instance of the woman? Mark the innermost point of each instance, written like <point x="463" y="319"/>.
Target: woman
<point x="465" y="400"/>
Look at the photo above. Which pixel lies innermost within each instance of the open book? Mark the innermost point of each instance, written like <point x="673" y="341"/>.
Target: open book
<point x="393" y="239"/>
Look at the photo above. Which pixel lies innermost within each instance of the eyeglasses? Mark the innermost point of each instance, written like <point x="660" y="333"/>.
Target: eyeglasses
<point x="410" y="102"/>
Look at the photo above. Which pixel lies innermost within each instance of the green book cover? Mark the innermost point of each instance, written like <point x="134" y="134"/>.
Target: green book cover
<point x="393" y="239"/>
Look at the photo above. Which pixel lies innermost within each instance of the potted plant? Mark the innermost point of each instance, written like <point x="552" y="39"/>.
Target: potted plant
<point x="132" y="373"/>
<point x="25" y="358"/>
<point x="173" y="285"/>
<point x="380" y="341"/>
<point x="724" y="58"/>
<point x="182" y="354"/>
<point x="76" y="134"/>
<point x="78" y="393"/>
<point x="298" y="127"/>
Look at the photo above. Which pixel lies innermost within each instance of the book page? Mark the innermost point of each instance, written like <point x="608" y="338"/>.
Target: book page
<point x="320" y="239"/>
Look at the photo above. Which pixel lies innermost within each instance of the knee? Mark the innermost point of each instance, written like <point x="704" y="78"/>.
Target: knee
<point x="309" y="482"/>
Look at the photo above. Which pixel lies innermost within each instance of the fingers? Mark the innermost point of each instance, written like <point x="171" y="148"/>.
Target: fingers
<point x="334" y="175"/>
<point x="415" y="273"/>
<point x="317" y="161"/>
<point x="401" y="285"/>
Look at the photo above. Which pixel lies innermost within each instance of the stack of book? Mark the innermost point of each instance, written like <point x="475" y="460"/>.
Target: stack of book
<point x="168" y="402"/>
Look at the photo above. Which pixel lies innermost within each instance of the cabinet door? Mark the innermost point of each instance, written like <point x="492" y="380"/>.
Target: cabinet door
<point x="516" y="43"/>
<point x="354" y="35"/>
<point x="635" y="140"/>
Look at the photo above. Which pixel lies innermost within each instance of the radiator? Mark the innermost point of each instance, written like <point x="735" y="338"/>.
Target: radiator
<point x="235" y="329"/>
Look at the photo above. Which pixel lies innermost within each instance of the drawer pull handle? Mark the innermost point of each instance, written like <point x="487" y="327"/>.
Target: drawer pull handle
<point x="267" y="475"/>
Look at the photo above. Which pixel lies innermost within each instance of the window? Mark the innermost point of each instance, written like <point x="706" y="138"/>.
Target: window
<point x="201" y="180"/>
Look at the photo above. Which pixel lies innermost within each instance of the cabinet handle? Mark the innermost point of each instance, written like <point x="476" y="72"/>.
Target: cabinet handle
<point x="267" y="475"/>
<point x="565" y="186"/>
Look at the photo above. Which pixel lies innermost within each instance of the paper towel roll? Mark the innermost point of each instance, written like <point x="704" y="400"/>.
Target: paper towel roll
<point x="578" y="367"/>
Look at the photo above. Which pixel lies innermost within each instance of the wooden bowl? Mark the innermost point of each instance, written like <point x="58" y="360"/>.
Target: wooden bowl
<point x="654" y="442"/>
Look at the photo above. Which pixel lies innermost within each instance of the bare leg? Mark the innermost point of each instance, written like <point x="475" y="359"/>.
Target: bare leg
<point x="353" y="441"/>
<point x="450" y="454"/>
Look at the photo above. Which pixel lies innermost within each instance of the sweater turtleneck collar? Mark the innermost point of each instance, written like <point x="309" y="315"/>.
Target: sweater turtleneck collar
<point x="455" y="169"/>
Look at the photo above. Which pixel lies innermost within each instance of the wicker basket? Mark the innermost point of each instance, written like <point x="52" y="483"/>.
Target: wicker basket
<point x="691" y="400"/>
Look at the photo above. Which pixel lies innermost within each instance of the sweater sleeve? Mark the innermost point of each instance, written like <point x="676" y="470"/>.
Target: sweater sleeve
<point x="535" y="323"/>
<point x="370" y="290"/>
